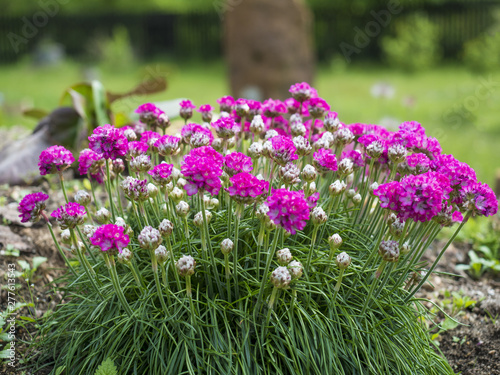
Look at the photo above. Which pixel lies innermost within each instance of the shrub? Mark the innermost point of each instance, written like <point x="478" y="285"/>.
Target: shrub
<point x="415" y="45"/>
<point x="229" y="263"/>
<point x="483" y="53"/>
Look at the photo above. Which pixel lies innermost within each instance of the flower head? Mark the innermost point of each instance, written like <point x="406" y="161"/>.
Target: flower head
<point x="288" y="209"/>
<point x="202" y="168"/>
<point x="302" y="91"/>
<point x="246" y="188"/>
<point x="92" y="163"/>
<point x="110" y="238"/>
<point x="161" y="173"/>
<point x="206" y="112"/>
<point x="283" y="150"/>
<point x="318" y="107"/>
<point x="186" y="110"/>
<point x="237" y="162"/>
<point x="273" y="108"/>
<point x="55" y="159"/>
<point x="31" y="207"/>
<point x="325" y="161"/>
<point x="167" y="145"/>
<point x="136" y="148"/>
<point x="135" y="189"/>
<point x="108" y="141"/>
<point x="225" y="127"/>
<point x="149" y="238"/>
<point x="69" y="215"/>
<point x="226" y="103"/>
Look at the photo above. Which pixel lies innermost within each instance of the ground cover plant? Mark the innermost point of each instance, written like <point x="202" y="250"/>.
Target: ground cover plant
<point x="271" y="238"/>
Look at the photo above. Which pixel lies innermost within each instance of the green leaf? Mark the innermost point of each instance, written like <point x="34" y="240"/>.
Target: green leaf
<point x="4" y="354"/>
<point x="101" y="104"/>
<point x="24" y="265"/>
<point x="60" y="370"/>
<point x="37" y="261"/>
<point x="107" y="367"/>
<point x="448" y="324"/>
<point x="27" y="318"/>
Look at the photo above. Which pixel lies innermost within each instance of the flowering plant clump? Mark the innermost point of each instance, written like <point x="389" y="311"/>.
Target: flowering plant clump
<point x="268" y="239"/>
<point x="55" y="159"/>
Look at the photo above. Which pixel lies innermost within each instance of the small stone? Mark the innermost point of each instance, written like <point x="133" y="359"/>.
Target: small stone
<point x="492" y="352"/>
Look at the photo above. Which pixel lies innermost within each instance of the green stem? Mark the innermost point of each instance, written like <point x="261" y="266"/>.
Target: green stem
<point x="96" y="202"/>
<point x="108" y="187"/>
<point x="63" y="255"/>
<point x="372" y="286"/>
<point x="434" y="265"/>
<point x="110" y="263"/>
<point x="235" y="255"/>
<point x="63" y="188"/>
<point x="339" y="283"/>
<point x="154" y="264"/>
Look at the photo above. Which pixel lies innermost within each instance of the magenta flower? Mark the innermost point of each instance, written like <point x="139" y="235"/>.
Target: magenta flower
<point x="186" y="110"/>
<point x="108" y="141"/>
<point x="302" y="92"/>
<point x="246" y="188"/>
<point x="225" y="127"/>
<point x="150" y="137"/>
<point x="420" y="197"/>
<point x="237" y="162"/>
<point x="415" y="164"/>
<point x="325" y="161"/>
<point x="202" y="168"/>
<point x="161" y="173"/>
<point x="136" y="148"/>
<point x="355" y="156"/>
<point x="254" y="108"/>
<point x="147" y="107"/>
<point x="479" y="199"/>
<point x="167" y="145"/>
<point x="292" y="105"/>
<point x="110" y="238"/>
<point x="31" y="207"/>
<point x="288" y="209"/>
<point x="152" y="115"/>
<point x="312" y="200"/>
<point x="55" y="159"/>
<point x="226" y="103"/>
<point x="92" y="163"/>
<point x="317" y="107"/>
<point x="283" y="150"/>
<point x="69" y="215"/>
<point x="135" y="189"/>
<point x="273" y="108"/>
<point x="206" y="112"/>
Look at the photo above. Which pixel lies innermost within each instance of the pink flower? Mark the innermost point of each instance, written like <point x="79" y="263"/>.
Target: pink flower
<point x="206" y="112"/>
<point x="202" y="168"/>
<point x="312" y="200"/>
<point x="135" y="189"/>
<point x="226" y="103"/>
<point x="91" y="162"/>
<point x="136" y="148"/>
<point x="55" y="159"/>
<point x="167" y="145"/>
<point x="150" y="137"/>
<point x="246" y="188"/>
<point x="324" y="160"/>
<point x="31" y="207"/>
<point x="110" y="238"/>
<point x="186" y="110"/>
<point x="108" y="141"/>
<point x="273" y="108"/>
<point x="161" y="173"/>
<point x="302" y="91"/>
<point x="318" y="107"/>
<point x="225" y="127"/>
<point x="288" y="209"/>
<point x="236" y="162"/>
<point x="283" y="150"/>
<point x="69" y="215"/>
<point x="355" y="156"/>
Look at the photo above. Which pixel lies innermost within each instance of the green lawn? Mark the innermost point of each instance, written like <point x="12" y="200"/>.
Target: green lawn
<point x="438" y="97"/>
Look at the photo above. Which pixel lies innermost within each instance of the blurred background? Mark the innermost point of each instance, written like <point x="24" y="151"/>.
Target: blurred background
<point x="433" y="61"/>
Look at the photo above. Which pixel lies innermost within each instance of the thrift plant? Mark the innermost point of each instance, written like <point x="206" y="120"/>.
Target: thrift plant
<point x="270" y="239"/>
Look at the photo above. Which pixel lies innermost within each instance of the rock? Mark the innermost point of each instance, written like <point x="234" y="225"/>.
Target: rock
<point x="10" y="214"/>
<point x="268" y="47"/>
<point x="7" y="237"/>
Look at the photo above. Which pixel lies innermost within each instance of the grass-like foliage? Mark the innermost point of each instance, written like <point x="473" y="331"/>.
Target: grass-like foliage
<point x="222" y="271"/>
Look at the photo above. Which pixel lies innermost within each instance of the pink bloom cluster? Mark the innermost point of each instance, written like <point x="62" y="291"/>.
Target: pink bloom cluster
<point x="288" y="209"/>
<point x="302" y="91"/>
<point x="355" y="156"/>
<point x="202" y="168"/>
<point x="91" y="162"/>
<point x="318" y="107"/>
<point x="108" y="141"/>
<point x="161" y="173"/>
<point x="312" y="200"/>
<point x="479" y="199"/>
<point x="415" y="164"/>
<point x="186" y="110"/>
<point x="69" y="215"/>
<point x="167" y="145"/>
<point x="226" y="103"/>
<point x="273" y="108"/>
<point x="31" y="207"/>
<point x="135" y="189"/>
<point x="246" y="188"/>
<point x="150" y="137"/>
<point x="237" y="162"/>
<point x="110" y="238"/>
<point x="324" y="160"/>
<point x="419" y="197"/>
<point x="54" y="159"/>
<point x="206" y="112"/>
<point x="283" y="150"/>
<point x="191" y="129"/>
<point x="136" y="148"/>
<point x="225" y="127"/>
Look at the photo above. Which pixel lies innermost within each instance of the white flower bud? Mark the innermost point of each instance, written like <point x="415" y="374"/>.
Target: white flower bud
<point x="66" y="237"/>
<point x="281" y="278"/>
<point x="350" y="193"/>
<point x="257" y="125"/>
<point x="81" y="248"/>
<point x="124" y="256"/>
<point x="335" y="241"/>
<point x="176" y="194"/>
<point x="318" y="216"/>
<point x="185" y="266"/>
<point x="82" y="197"/>
<point x="103" y="215"/>
<point x="152" y="190"/>
<point x="181" y="182"/>
<point x="226" y="246"/>
<point x="88" y="230"/>
<point x="337" y="188"/>
<point x="284" y="256"/>
<point x="149" y="238"/>
<point x="255" y="150"/>
<point x="182" y="209"/>
<point x="309" y="173"/>
<point x="356" y="199"/>
<point x="296" y="269"/>
<point x="389" y="251"/>
<point x="198" y="218"/>
<point x="166" y="228"/>
<point x="161" y="254"/>
<point x="343" y="260"/>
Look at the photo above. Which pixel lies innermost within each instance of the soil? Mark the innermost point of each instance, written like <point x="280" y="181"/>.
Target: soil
<point x="472" y="348"/>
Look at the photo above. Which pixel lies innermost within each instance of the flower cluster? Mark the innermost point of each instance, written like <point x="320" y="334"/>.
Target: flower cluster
<point x="110" y="238"/>
<point x="69" y="215"/>
<point x="246" y="188"/>
<point x="31" y="207"/>
<point x="108" y="141"/>
<point x="135" y="189"/>
<point x="186" y="110"/>
<point x="202" y="168"/>
<point x="237" y="162"/>
<point x="225" y="127"/>
<point x="283" y="150"/>
<point x="55" y="159"/>
<point x="288" y="209"/>
<point x="161" y="173"/>
<point x="167" y="145"/>
<point x="325" y="161"/>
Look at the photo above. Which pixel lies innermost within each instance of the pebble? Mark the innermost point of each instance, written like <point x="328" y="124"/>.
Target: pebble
<point x="491" y="352"/>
